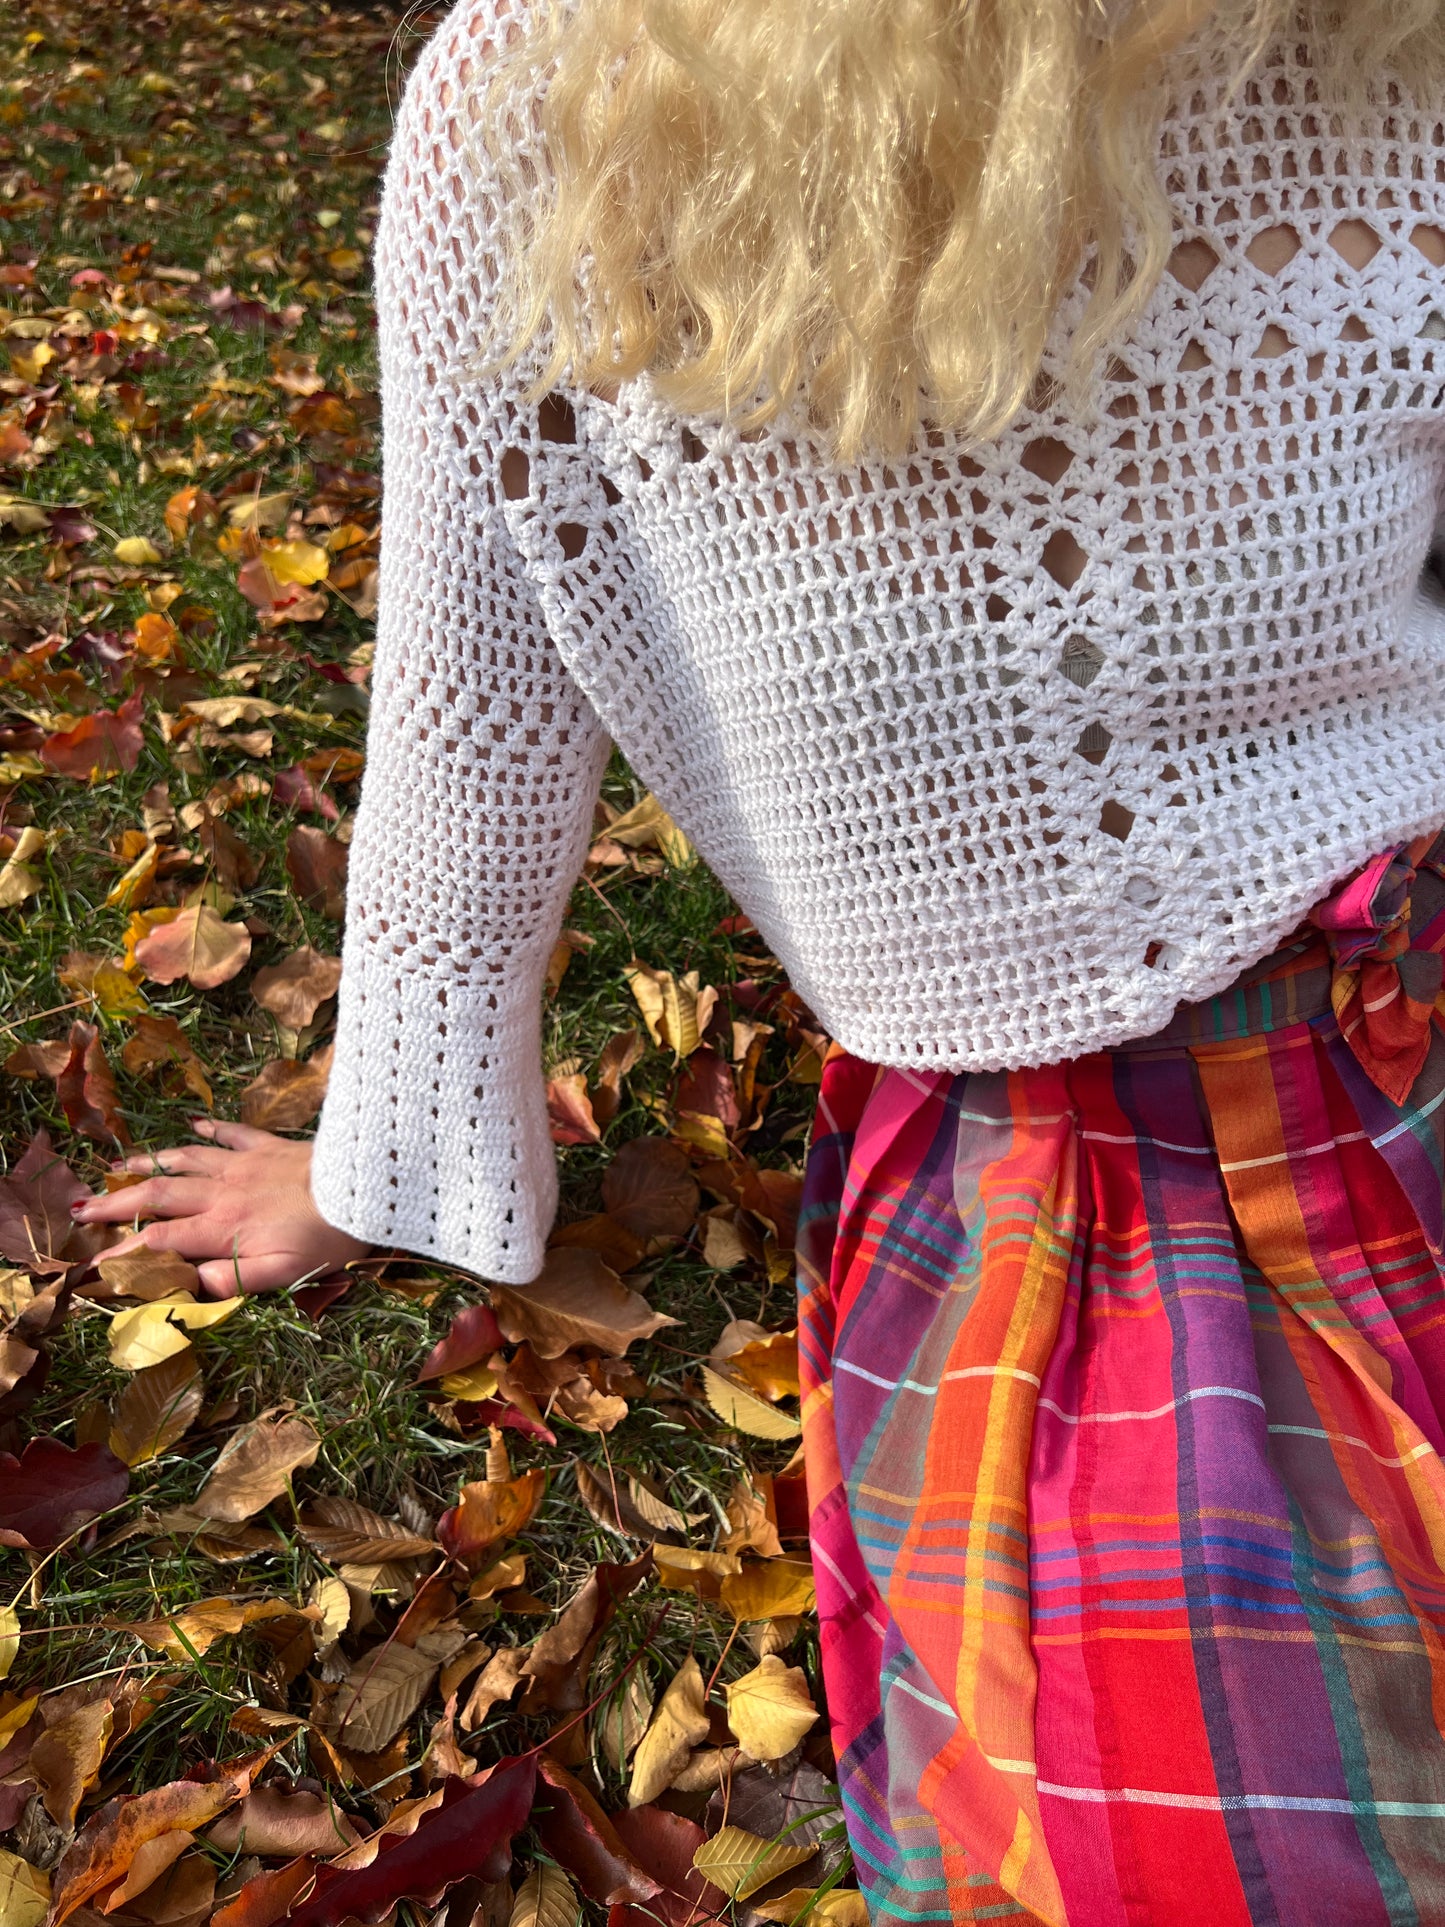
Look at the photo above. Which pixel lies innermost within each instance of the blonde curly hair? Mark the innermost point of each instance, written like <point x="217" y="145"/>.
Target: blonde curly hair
<point x="880" y="203"/>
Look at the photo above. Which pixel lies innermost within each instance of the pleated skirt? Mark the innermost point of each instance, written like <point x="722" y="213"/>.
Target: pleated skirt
<point x="1124" y="1383"/>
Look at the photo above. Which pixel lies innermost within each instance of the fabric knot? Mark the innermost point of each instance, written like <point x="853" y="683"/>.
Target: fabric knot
<point x="1383" y="990"/>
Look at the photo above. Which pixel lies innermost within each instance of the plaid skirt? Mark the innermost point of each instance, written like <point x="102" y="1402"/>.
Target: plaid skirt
<point x="1124" y="1383"/>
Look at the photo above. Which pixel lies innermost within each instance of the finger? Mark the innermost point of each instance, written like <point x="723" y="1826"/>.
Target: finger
<point x="199" y="1239"/>
<point x="157" y="1197"/>
<point x="223" y="1277"/>
<point x="200" y="1160"/>
<point x="240" y="1137"/>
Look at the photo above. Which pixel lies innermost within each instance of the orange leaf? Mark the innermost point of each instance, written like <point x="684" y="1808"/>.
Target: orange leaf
<point x="98" y="745"/>
<point x="487" y="1512"/>
<point x="196" y="944"/>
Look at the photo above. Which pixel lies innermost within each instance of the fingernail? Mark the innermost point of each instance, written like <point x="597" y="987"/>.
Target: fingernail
<point x="80" y="1207"/>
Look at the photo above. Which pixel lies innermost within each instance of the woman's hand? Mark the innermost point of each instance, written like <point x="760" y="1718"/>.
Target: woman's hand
<point x="239" y="1207"/>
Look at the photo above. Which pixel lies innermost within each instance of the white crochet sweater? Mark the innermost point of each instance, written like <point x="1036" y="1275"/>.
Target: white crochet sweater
<point x="1005" y="753"/>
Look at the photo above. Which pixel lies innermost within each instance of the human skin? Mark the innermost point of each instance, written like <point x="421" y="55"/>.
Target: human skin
<point x="238" y="1205"/>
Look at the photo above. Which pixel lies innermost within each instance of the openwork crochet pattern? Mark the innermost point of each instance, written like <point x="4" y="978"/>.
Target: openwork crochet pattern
<point x="1006" y="751"/>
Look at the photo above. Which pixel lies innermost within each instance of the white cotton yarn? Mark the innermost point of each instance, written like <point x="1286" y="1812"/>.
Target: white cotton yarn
<point x="1006" y="752"/>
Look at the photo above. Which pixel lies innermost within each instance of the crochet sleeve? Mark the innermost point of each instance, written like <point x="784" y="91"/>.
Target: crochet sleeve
<point x="483" y="759"/>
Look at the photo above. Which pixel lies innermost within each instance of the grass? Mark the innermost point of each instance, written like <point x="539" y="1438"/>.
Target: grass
<point x="179" y="149"/>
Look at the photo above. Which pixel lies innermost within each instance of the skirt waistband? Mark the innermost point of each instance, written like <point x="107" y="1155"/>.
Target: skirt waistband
<point x="1371" y="955"/>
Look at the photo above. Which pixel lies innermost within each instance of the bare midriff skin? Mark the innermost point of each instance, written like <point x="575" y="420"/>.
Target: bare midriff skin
<point x="237" y="1204"/>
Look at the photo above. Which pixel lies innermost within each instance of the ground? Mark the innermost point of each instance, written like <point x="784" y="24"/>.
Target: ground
<point x="293" y="1551"/>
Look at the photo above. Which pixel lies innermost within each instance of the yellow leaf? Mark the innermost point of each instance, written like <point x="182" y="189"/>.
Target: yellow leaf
<point x="17" y="880"/>
<point x="546" y="1898"/>
<point x="770" y="1708"/>
<point x="676" y="1010"/>
<point x="156" y="1408"/>
<point x="333" y="1602"/>
<point x="301" y="562"/>
<point x="740" y="1862"/>
<point x="474" y="1384"/>
<point x="745" y="1411"/>
<point x="30" y="364"/>
<point x="647" y="825"/>
<point x="148" y="1333"/>
<point x="136" y="551"/>
<point x="24" y="1892"/>
<point x="195" y="1629"/>
<point x="15" y="1718"/>
<point x="9" y="1638"/>
<point x="679" y="1724"/>
<point x="680" y="1569"/>
<point x="775" y="1589"/>
<point x="135" y="882"/>
<point x="806" y="1907"/>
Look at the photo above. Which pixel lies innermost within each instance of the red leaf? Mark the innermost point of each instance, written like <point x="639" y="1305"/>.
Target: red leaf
<point x="36" y="1228"/>
<point x="294" y="789"/>
<point x="316" y="865"/>
<point x="86" y="1088"/>
<point x="99" y="745"/>
<point x="475" y="1413"/>
<point x="706" y="1089"/>
<point x="469" y="1833"/>
<point x="663" y="1844"/>
<point x="266" y="1898"/>
<point x="569" y="1110"/>
<point x="580" y="1837"/>
<point x="54" y="1489"/>
<point x="474" y="1336"/>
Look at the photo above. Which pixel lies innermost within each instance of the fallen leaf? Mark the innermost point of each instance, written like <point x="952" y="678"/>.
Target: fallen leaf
<point x="137" y="552"/>
<point x="680" y="1723"/>
<point x="196" y="944"/>
<point x="295" y="989"/>
<point x="154" y="1858"/>
<point x="288" y="1093"/>
<point x="9" y="1644"/>
<point x="151" y="1332"/>
<point x="560" y="1660"/>
<point x="157" y="1407"/>
<point x="468" y="1834"/>
<point x="740" y="1862"/>
<point x="650" y="1190"/>
<point x="100" y="744"/>
<point x="160" y="1040"/>
<point x="663" y="1844"/>
<point x="36" y="1228"/>
<point x="580" y="1837"/>
<point x="348" y="1534"/>
<point x="316" y="865"/>
<point x="744" y="1411"/>
<point x="500" y="1678"/>
<point x="770" y="1709"/>
<point x="568" y="1109"/>
<point x="111" y="1838"/>
<point x="680" y="1569"/>
<point x="623" y="1720"/>
<point x="647" y="826"/>
<point x="752" y="1516"/>
<point x="65" y="1760"/>
<point x="766" y="1362"/>
<point x="18" y="880"/>
<point x="472" y="1337"/>
<point x="270" y="1821"/>
<point x="629" y="1508"/>
<point x="378" y="1697"/>
<point x="333" y="1602"/>
<point x="256" y="1464"/>
<point x="545" y="1899"/>
<point x="676" y="1010"/>
<point x="487" y="1512"/>
<point x="150" y="1274"/>
<point x="86" y="1089"/>
<point x="24" y="1892"/>
<point x="52" y="1490"/>
<point x="575" y="1300"/>
<point x="191" y="1632"/>
<point x="619" y="1055"/>
<point x="775" y="1589"/>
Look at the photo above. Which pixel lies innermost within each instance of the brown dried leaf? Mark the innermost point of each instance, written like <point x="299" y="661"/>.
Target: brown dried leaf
<point x="295" y="989"/>
<point x="316" y="865"/>
<point x="501" y="1677"/>
<point x="650" y="1190"/>
<point x="65" y="1760"/>
<point x="190" y="1633"/>
<point x="196" y="944"/>
<point x="157" y="1407"/>
<point x="619" y="1055"/>
<point x="379" y="1695"/>
<point x="255" y="1467"/>
<point x="347" y="1534"/>
<point x="630" y="1509"/>
<point x="160" y="1040"/>
<point x="287" y="1094"/>
<point x="576" y="1300"/>
<point x="86" y="1089"/>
